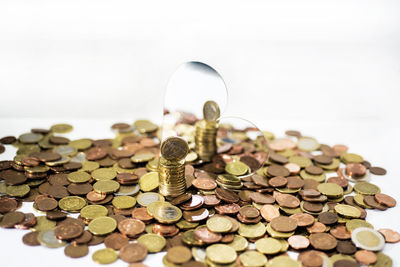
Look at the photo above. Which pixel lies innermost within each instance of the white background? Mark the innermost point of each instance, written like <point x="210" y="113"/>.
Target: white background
<point x="328" y="68"/>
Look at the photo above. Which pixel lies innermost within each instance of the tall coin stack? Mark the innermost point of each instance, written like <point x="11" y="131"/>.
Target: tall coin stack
<point x="171" y="167"/>
<point x="206" y="131"/>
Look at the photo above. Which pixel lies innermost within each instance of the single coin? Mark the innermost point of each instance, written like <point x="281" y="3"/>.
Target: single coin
<point x="366" y="257"/>
<point x="72" y="203"/>
<point x="303" y="219"/>
<point x="179" y="254"/>
<point x="330" y="189"/>
<point x="252" y="230"/>
<point x="149" y="181"/>
<point x="268" y="245"/>
<point x="260" y="198"/>
<point x="328" y="218"/>
<point x="283" y="261"/>
<point x="30" y="239"/>
<point x="284" y="224"/>
<point x="12" y="218"/>
<point x="104" y="174"/>
<point x="278" y="181"/>
<point x="287" y="201"/>
<point x="347" y="211"/>
<point x="377" y="170"/>
<point x="226" y="195"/>
<point x="367" y="238"/>
<point x="61" y="128"/>
<point x="345" y="263"/>
<point x="322" y="241"/>
<point x="384" y="199"/>
<point x="307" y="143"/>
<point x="153" y="242"/>
<point x="106" y="187"/>
<point x="204" y="183"/>
<point x="85" y="238"/>
<point x="237" y="168"/>
<point x="42" y="224"/>
<point x="105" y="256"/>
<point x="146" y="198"/>
<point x="221" y="254"/>
<point x="211" y="111"/>
<point x="76" y="251"/>
<point x="311" y="258"/>
<point x="46" y="204"/>
<point x="249" y="212"/>
<point x="131" y="227"/>
<point x="145" y="126"/>
<point x="298" y="242"/>
<point x="269" y="212"/>
<point x="219" y="224"/>
<point x="93" y="211"/>
<point x="174" y="148"/>
<point x="353" y="224"/>
<point x="123" y="202"/>
<point x="366" y="188"/>
<point x="206" y="236"/>
<point x="17" y="190"/>
<point x="277" y="170"/>
<point x="252" y="258"/>
<point x="315" y="170"/>
<point x="167" y="213"/>
<point x="102" y="225"/>
<point x="68" y="231"/>
<point x="340" y="232"/>
<point x="48" y="239"/>
<point x="390" y="236"/>
<point x="116" y="241"/>
<point x="133" y="252"/>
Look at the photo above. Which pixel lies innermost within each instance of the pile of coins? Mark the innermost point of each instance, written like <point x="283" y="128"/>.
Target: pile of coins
<point x="249" y="205"/>
<point x="206" y="131"/>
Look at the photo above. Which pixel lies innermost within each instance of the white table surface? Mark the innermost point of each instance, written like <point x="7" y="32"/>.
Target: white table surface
<point x="376" y="141"/>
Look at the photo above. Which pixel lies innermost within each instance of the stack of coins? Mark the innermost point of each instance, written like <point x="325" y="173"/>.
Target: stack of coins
<point x="206" y="132"/>
<point x="171" y="167"/>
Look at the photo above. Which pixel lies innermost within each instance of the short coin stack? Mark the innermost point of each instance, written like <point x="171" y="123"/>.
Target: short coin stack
<point x="206" y="131"/>
<point x="171" y="167"/>
<point x="304" y="205"/>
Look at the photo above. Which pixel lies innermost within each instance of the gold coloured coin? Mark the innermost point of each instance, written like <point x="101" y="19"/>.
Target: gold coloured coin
<point x="252" y="230"/>
<point x="283" y="261"/>
<point x="367" y="238"/>
<point x="149" y="181"/>
<point x="93" y="211"/>
<point x="174" y="148"/>
<point x="89" y="166"/>
<point x="106" y="187"/>
<point x="351" y="225"/>
<point x="219" y="224"/>
<point x="221" y="254"/>
<point x="268" y="245"/>
<point x="351" y="158"/>
<point x="236" y="168"/>
<point x="123" y="202"/>
<point x="142" y="157"/>
<point x="366" y="188"/>
<point x="43" y="224"/>
<point x="78" y="177"/>
<point x="330" y="189"/>
<point x="145" y="126"/>
<point x="154" y="243"/>
<point x="72" y="203"/>
<point x="105" y="256"/>
<point x="17" y="190"/>
<point x="347" y="211"/>
<point x="252" y="258"/>
<point x="61" y="128"/>
<point x="102" y="225"/>
<point x="104" y="174"/>
<point x="239" y="243"/>
<point x="81" y="144"/>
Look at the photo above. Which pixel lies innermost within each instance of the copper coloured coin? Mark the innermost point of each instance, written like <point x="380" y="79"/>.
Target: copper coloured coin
<point x="316" y="227"/>
<point x="116" y="241"/>
<point x="141" y="214"/>
<point x="46" y="156"/>
<point x="46" y="204"/>
<point x="287" y="201"/>
<point x="328" y="218"/>
<point x="260" y="180"/>
<point x="283" y="224"/>
<point x="11" y="219"/>
<point x="131" y="227"/>
<point x="345" y="263"/>
<point x="262" y="198"/>
<point x="96" y="153"/>
<point x="84" y="238"/>
<point x="340" y="232"/>
<point x="179" y="255"/>
<point x="204" y="183"/>
<point x="7" y="140"/>
<point x="195" y="202"/>
<point x="165" y="229"/>
<point x="228" y="209"/>
<point x="355" y="170"/>
<point x="278" y="181"/>
<point x="298" y="241"/>
<point x="57" y="191"/>
<point x="30" y="239"/>
<point x="346" y="247"/>
<point x="390" y="236"/>
<point x="278" y="158"/>
<point x="340" y="181"/>
<point x="29" y="221"/>
<point x="370" y="201"/>
<point x="294" y="182"/>
<point x="206" y="236"/>
<point x="311" y="258"/>
<point x="312" y="207"/>
<point x="249" y="212"/>
<point x="277" y="170"/>
<point x="303" y="219"/>
<point x="8" y="205"/>
<point x="323" y="241"/>
<point x="226" y="195"/>
<point x="377" y="170"/>
<point x="314" y="170"/>
<point x="79" y="189"/>
<point x="59" y="179"/>
<point x="68" y="231"/>
<point x="76" y="251"/>
<point x="134" y="252"/>
<point x="365" y="257"/>
<point x="211" y="200"/>
<point x="196" y="215"/>
<point x="385" y="200"/>
<point x="12" y="177"/>
<point x="94" y="196"/>
<point x="127" y="178"/>
<point x="323" y="159"/>
<point x="72" y="166"/>
<point x="269" y="212"/>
